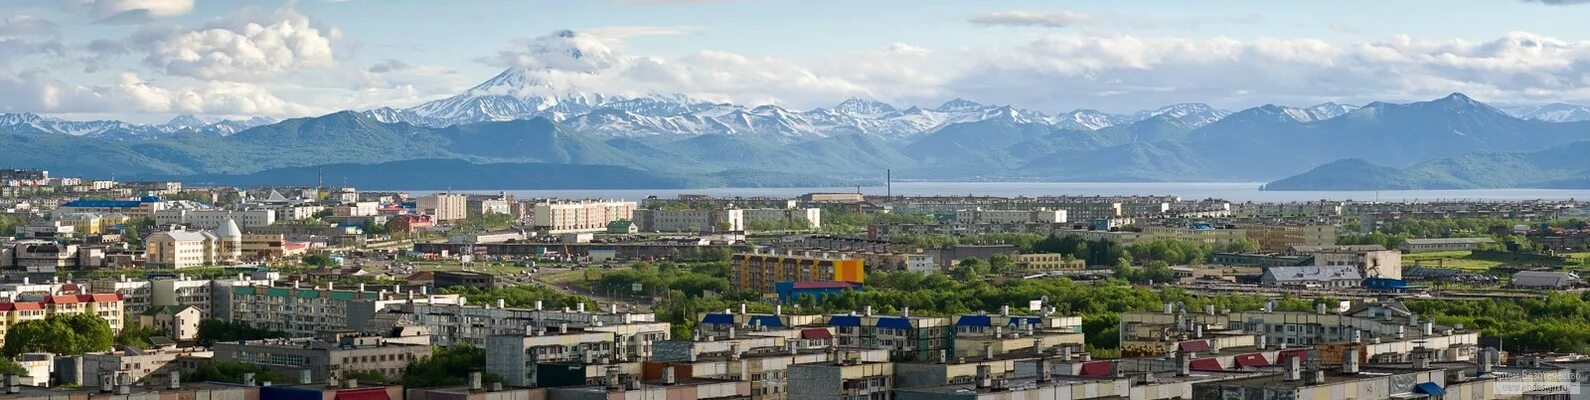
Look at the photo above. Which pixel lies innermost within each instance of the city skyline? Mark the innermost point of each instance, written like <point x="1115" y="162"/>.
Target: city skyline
<point x="148" y="60"/>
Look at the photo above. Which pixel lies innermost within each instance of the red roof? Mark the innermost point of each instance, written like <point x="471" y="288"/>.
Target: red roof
<point x="1206" y="364"/>
<point x="26" y="305"/>
<point x="83" y="298"/>
<point x="1096" y="369"/>
<point x="1193" y="346"/>
<point x="816" y="333"/>
<point x="824" y="285"/>
<point x="1301" y="354"/>
<point x="1251" y="360"/>
<point x="363" y="394"/>
<point x="62" y="299"/>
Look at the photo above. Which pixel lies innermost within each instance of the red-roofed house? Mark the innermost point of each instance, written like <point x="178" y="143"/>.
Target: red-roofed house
<point x="108" y="306"/>
<point x="409" y="223"/>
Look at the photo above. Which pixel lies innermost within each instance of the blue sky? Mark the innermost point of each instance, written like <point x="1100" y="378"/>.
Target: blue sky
<point x="147" y="60"/>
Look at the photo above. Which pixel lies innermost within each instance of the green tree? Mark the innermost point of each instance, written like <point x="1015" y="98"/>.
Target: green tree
<point x="215" y="330"/>
<point x="62" y="334"/>
<point x="447" y="367"/>
<point x="135" y="335"/>
<point x="8" y="367"/>
<point x="232" y="372"/>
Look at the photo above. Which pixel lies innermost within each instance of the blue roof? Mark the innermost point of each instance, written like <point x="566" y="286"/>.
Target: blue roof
<point x="103" y="203"/>
<point x="718" y="319"/>
<point x="896" y="323"/>
<point x="844" y="320"/>
<point x="767" y="321"/>
<point x="1429" y="388"/>
<point x="974" y="320"/>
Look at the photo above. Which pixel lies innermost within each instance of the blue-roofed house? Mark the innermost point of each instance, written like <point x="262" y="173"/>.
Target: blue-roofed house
<point x="907" y="337"/>
<point x="976" y="334"/>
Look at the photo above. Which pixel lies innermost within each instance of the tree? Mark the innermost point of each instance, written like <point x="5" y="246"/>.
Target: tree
<point x="319" y="260"/>
<point x="446" y="367"/>
<point x="62" y="334"/>
<point x="215" y="330"/>
<point x="9" y="367"/>
<point x="232" y="372"/>
<point x="135" y="335"/>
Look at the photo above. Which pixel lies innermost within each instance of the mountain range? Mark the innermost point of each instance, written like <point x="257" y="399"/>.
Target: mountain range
<point x="518" y="121"/>
<point x="1558" y="167"/>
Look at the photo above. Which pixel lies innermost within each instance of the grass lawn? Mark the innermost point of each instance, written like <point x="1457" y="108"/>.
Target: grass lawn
<point x="1448" y="259"/>
<point x="561" y="277"/>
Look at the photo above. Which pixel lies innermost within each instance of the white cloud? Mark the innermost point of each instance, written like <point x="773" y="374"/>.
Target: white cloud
<point x="243" y="50"/>
<point x="1114" y="72"/>
<point x="562" y="51"/>
<point x="116" y="11"/>
<point x="1048" y="19"/>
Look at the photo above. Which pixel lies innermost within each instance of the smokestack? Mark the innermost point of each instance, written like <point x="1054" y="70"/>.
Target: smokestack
<point x="1350" y="361"/>
<point x="474" y="381"/>
<point x="1294" y="368"/>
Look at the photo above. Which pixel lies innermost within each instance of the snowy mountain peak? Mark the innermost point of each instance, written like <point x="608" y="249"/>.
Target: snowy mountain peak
<point x="960" y="105"/>
<point x="1554" y="112"/>
<point x="857" y="106"/>
<point x="185" y="121"/>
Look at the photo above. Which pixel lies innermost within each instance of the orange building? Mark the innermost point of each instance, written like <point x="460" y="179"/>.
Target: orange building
<point x="759" y="271"/>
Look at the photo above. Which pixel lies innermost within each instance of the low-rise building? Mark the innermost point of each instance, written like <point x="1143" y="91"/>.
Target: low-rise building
<point x="1314" y="276"/>
<point x="332" y="352"/>
<point x="175" y="322"/>
<point x="1048" y="262"/>
<point x="177" y="249"/>
<point x="784" y="218"/>
<point x="1444" y="244"/>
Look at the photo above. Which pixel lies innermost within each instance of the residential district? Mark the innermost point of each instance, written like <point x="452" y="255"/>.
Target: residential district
<point x="158" y="290"/>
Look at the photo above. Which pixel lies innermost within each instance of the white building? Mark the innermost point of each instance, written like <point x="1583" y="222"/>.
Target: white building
<point x="1039" y="215"/>
<point x="214" y="218"/>
<point x="690" y="220"/>
<point x="443" y="206"/>
<point x="580" y="216"/>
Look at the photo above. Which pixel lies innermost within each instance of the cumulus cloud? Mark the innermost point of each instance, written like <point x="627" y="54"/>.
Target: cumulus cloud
<point x="129" y="11"/>
<point x="1116" y="72"/>
<point x="244" y="50"/>
<point x="561" y="51"/>
<point x="1048" y="19"/>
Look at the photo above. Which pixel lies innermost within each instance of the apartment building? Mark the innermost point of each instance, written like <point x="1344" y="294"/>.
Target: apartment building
<point x="106" y="306"/>
<point x="515" y="357"/>
<point x="562" y="216"/>
<point x="801" y="218"/>
<point x="143" y="207"/>
<point x="214" y="219"/>
<point x="1039" y="215"/>
<point x="1048" y="262"/>
<point x="329" y="354"/>
<point x="445" y="207"/>
<point x="306" y="311"/>
<point x="1372" y="261"/>
<point x="48" y="256"/>
<point x="721" y="220"/>
<point x="761" y="271"/>
<point x="142" y="367"/>
<point x="1273" y="238"/>
<point x="906" y="337"/>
